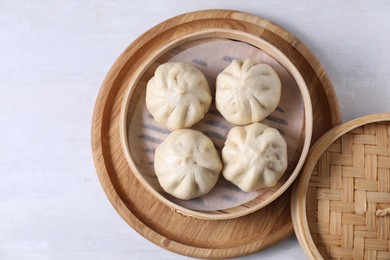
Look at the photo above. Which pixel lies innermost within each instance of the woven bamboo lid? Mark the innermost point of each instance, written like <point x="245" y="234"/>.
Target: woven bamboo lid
<point x="341" y="203"/>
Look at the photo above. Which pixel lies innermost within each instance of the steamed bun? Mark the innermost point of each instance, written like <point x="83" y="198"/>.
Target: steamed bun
<point x="187" y="164"/>
<point x="254" y="156"/>
<point x="247" y="92"/>
<point x="178" y="95"/>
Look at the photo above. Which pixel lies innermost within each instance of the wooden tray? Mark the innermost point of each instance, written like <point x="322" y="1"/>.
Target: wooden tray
<point x="341" y="203"/>
<point x="156" y="221"/>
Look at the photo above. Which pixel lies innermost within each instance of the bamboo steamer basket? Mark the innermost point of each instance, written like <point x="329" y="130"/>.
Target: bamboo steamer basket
<point x="341" y="204"/>
<point x="153" y="219"/>
<point x="140" y="133"/>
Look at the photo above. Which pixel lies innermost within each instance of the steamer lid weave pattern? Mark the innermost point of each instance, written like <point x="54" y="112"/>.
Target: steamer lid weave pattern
<point x="348" y="197"/>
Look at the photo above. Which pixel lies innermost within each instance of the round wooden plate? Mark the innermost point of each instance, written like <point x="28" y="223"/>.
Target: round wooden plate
<point x="153" y="219"/>
<point x="341" y="203"/>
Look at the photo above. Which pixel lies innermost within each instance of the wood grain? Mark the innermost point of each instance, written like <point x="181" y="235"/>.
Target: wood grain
<point x="151" y="218"/>
<point x="346" y="216"/>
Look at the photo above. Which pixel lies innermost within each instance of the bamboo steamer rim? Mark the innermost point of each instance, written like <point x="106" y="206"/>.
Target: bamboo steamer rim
<point x="300" y="188"/>
<point x="234" y="35"/>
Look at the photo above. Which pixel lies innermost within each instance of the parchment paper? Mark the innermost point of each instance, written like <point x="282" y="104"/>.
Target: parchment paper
<point x="211" y="56"/>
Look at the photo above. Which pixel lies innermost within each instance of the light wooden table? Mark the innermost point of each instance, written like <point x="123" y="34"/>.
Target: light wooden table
<point x="53" y="58"/>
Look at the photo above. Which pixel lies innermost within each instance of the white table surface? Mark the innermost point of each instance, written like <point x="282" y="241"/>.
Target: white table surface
<point x="53" y="58"/>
